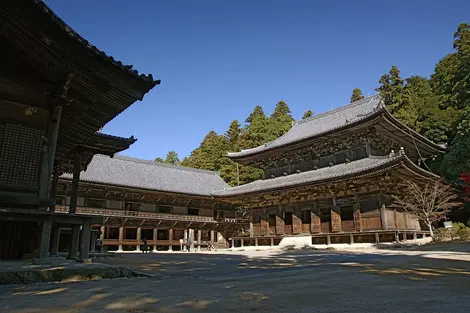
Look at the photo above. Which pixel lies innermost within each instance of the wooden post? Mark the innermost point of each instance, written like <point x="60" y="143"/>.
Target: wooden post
<point x="170" y="238"/>
<point x="241" y="243"/>
<point x="55" y="241"/>
<point x="75" y="237"/>
<point x="233" y="243"/>
<point x="75" y="181"/>
<point x="212" y="237"/>
<point x="351" y="239"/>
<point x="155" y="238"/>
<point x="377" y="239"/>
<point x="256" y="242"/>
<point x="383" y="217"/>
<point x="85" y="241"/>
<point x="102" y="229"/>
<point x="272" y="242"/>
<point x="45" y="237"/>
<point x="328" y="240"/>
<point x="55" y="182"/>
<point x="415" y="237"/>
<point x="93" y="242"/>
<point x="199" y="236"/>
<point x="397" y="237"/>
<point x="357" y="213"/>
<point x="139" y="238"/>
<point x="121" y="238"/>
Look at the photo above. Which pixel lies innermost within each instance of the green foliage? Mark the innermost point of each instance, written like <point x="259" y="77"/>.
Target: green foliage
<point x="356" y="95"/>
<point x="457" y="159"/>
<point x="172" y="158"/>
<point x="209" y="154"/>
<point x="391" y="89"/>
<point x="159" y="159"/>
<point x="464" y="234"/>
<point x="307" y="114"/>
<point x="280" y="121"/>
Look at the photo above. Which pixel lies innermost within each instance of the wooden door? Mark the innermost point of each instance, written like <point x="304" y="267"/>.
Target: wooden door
<point x="335" y="219"/>
<point x="279" y="225"/>
<point x="357" y="218"/>
<point x="264" y="229"/>
<point x="315" y="223"/>
<point x="296" y="224"/>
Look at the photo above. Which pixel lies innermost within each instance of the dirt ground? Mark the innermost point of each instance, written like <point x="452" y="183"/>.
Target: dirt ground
<point x="434" y="278"/>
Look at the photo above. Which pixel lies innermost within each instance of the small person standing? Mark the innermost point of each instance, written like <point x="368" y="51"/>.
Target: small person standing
<point x="144" y="246"/>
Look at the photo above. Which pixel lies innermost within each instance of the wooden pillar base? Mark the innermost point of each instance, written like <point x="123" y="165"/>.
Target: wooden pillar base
<point x="328" y="240"/>
<point x="351" y="239"/>
<point x="377" y="238"/>
<point x="73" y="248"/>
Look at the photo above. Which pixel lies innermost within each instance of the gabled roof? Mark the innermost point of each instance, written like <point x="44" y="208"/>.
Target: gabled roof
<point x="143" y="174"/>
<point x="333" y="173"/>
<point x="320" y="124"/>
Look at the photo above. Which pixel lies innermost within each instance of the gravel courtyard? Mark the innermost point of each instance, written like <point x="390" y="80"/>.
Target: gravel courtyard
<point x="427" y="279"/>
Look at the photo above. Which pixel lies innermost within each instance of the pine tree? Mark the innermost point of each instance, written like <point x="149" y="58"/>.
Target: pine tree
<point x="172" y="158"/>
<point x="391" y="89"/>
<point x="280" y="121"/>
<point x="307" y="114"/>
<point x="356" y="95"/>
<point x="233" y="134"/>
<point x="209" y="154"/>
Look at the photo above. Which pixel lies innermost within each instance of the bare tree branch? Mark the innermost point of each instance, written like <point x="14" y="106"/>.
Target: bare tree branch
<point x="428" y="202"/>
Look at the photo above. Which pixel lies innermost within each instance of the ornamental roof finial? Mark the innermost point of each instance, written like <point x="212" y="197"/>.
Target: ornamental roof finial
<point x="402" y="151"/>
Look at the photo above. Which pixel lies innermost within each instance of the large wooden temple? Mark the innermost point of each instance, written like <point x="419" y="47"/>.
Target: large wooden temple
<point x="56" y="91"/>
<point x="332" y="176"/>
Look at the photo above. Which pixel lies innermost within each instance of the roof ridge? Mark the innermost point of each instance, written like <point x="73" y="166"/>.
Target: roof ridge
<point x="339" y="109"/>
<point x="155" y="163"/>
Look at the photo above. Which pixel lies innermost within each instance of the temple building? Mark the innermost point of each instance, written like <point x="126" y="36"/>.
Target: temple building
<point x="331" y="177"/>
<point x="170" y="206"/>
<point x="56" y="91"/>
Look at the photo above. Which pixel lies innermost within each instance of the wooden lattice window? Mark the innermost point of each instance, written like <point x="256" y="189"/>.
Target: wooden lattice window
<point x="20" y="155"/>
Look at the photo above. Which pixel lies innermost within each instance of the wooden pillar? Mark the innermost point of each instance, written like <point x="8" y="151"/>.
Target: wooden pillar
<point x="55" y="182"/>
<point x="75" y="181"/>
<point x="170" y="238"/>
<point x="155" y="238"/>
<point x="397" y="237"/>
<point x="55" y="241"/>
<point x="415" y="237"/>
<point x="85" y="241"/>
<point x="328" y="240"/>
<point x="139" y="238"/>
<point x="199" y="235"/>
<point x="45" y="237"/>
<point x="251" y="229"/>
<point x="93" y="242"/>
<point x="383" y="217"/>
<point x="233" y="243"/>
<point x="256" y="242"/>
<point x="377" y="238"/>
<point x="242" y="243"/>
<point x="103" y="228"/>
<point x="191" y="239"/>
<point x="212" y="237"/>
<point x="272" y="242"/>
<point x="357" y="213"/>
<point x="121" y="238"/>
<point x="351" y="238"/>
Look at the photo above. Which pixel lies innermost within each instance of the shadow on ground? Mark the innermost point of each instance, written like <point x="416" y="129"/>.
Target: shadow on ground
<point x="293" y="281"/>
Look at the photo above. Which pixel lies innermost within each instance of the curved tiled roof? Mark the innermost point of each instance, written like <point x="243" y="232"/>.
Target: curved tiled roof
<point x="143" y="174"/>
<point x="93" y="49"/>
<point x="320" y="124"/>
<point x="339" y="171"/>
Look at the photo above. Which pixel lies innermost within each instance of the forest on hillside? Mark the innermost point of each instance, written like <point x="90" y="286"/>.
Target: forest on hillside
<point x="437" y="107"/>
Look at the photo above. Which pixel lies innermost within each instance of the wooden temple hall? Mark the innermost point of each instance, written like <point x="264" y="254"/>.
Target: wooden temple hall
<point x="56" y="91"/>
<point x="331" y="178"/>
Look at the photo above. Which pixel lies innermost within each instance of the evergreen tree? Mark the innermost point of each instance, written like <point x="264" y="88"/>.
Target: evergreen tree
<point x="280" y="121"/>
<point x="209" y="154"/>
<point x="391" y="89"/>
<point x="356" y="95"/>
<point x="172" y="158"/>
<point x="307" y="114"/>
<point x="159" y="159"/>
<point x="233" y="134"/>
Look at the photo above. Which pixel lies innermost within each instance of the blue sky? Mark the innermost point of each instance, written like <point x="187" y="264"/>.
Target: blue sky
<point x="218" y="59"/>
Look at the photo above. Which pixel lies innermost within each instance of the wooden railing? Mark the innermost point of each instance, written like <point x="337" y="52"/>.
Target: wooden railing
<point x="147" y="215"/>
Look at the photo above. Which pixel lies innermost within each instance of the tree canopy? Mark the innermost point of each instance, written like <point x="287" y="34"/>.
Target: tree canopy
<point x="356" y="95"/>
